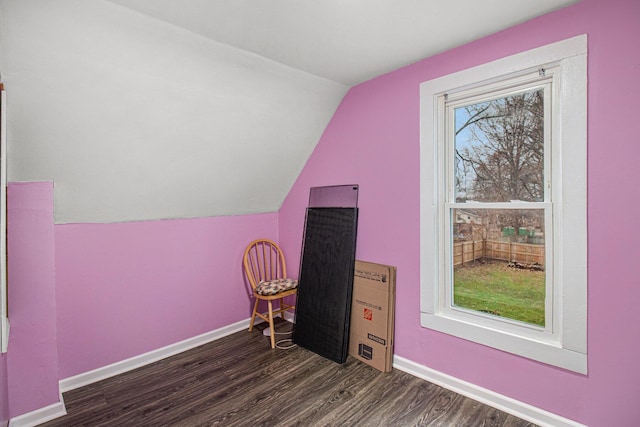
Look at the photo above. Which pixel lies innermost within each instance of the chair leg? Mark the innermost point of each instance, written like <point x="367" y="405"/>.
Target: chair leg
<point x="273" y="330"/>
<point x="282" y="308"/>
<point x="253" y="316"/>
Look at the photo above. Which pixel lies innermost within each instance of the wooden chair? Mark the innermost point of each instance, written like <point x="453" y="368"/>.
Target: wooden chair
<point x="266" y="270"/>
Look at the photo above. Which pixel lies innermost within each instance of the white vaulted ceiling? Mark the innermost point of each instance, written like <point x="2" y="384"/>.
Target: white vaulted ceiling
<point x="147" y="109"/>
<point x="347" y="41"/>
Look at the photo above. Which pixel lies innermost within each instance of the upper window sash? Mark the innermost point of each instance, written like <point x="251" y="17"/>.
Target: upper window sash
<point x="541" y="78"/>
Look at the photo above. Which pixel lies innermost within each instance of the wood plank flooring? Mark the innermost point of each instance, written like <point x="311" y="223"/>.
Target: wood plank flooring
<point x="239" y="381"/>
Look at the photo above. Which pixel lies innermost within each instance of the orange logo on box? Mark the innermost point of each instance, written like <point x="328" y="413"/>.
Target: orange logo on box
<point x="368" y="314"/>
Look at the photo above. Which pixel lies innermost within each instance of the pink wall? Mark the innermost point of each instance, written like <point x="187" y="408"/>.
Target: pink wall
<point x="101" y="293"/>
<point x="128" y="288"/>
<point x="373" y="140"/>
<point x="32" y="357"/>
<point x="121" y="290"/>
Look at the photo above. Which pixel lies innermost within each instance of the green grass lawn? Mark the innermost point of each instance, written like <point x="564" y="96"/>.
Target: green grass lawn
<point x="494" y="288"/>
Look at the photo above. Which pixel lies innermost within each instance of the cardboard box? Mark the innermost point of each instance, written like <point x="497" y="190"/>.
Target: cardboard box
<point x="372" y="314"/>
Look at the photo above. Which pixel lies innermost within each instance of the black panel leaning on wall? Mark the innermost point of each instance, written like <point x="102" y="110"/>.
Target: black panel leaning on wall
<point x="323" y="306"/>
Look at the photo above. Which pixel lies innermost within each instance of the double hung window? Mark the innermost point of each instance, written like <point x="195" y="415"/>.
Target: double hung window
<point x="503" y="204"/>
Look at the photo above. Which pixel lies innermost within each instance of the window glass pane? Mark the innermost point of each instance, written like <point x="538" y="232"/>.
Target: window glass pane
<point x="499" y="149"/>
<point x="499" y="262"/>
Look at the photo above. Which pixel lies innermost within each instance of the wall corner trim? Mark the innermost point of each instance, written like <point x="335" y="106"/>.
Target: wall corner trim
<point x="511" y="406"/>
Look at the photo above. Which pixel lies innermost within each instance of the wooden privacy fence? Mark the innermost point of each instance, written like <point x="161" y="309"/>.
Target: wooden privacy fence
<point x="467" y="251"/>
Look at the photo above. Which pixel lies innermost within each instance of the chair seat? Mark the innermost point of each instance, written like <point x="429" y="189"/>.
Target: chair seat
<point x="274" y="287"/>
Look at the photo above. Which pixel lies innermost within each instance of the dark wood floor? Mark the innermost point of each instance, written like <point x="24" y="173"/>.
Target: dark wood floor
<point x="240" y="381"/>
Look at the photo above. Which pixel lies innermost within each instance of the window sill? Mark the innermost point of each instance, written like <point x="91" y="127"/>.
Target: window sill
<point x="541" y="351"/>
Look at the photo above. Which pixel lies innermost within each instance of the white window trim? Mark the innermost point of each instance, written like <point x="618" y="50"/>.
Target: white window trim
<point x="568" y="349"/>
<point x="4" y="319"/>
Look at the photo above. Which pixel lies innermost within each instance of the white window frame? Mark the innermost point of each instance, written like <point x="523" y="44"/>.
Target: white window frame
<point x="527" y="81"/>
<point x="563" y="341"/>
<point x="4" y="316"/>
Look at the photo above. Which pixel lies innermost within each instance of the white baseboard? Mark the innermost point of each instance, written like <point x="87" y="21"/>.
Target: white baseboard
<point x="519" y="409"/>
<point x="511" y="406"/>
<point x="56" y="410"/>
<point x="39" y="416"/>
<point x="123" y="366"/>
<point x="289" y="316"/>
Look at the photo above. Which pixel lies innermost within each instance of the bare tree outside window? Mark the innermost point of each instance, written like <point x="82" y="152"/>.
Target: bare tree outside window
<point x="498" y="254"/>
<point x="499" y="149"/>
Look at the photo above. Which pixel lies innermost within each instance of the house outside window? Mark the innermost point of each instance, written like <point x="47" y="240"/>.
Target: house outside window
<point x="503" y="204"/>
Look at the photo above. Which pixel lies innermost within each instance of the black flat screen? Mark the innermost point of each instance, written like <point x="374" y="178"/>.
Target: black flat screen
<point x="323" y="306"/>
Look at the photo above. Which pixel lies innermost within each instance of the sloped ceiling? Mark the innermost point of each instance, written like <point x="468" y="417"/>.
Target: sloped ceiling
<point x="348" y="41"/>
<point x="148" y="109"/>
